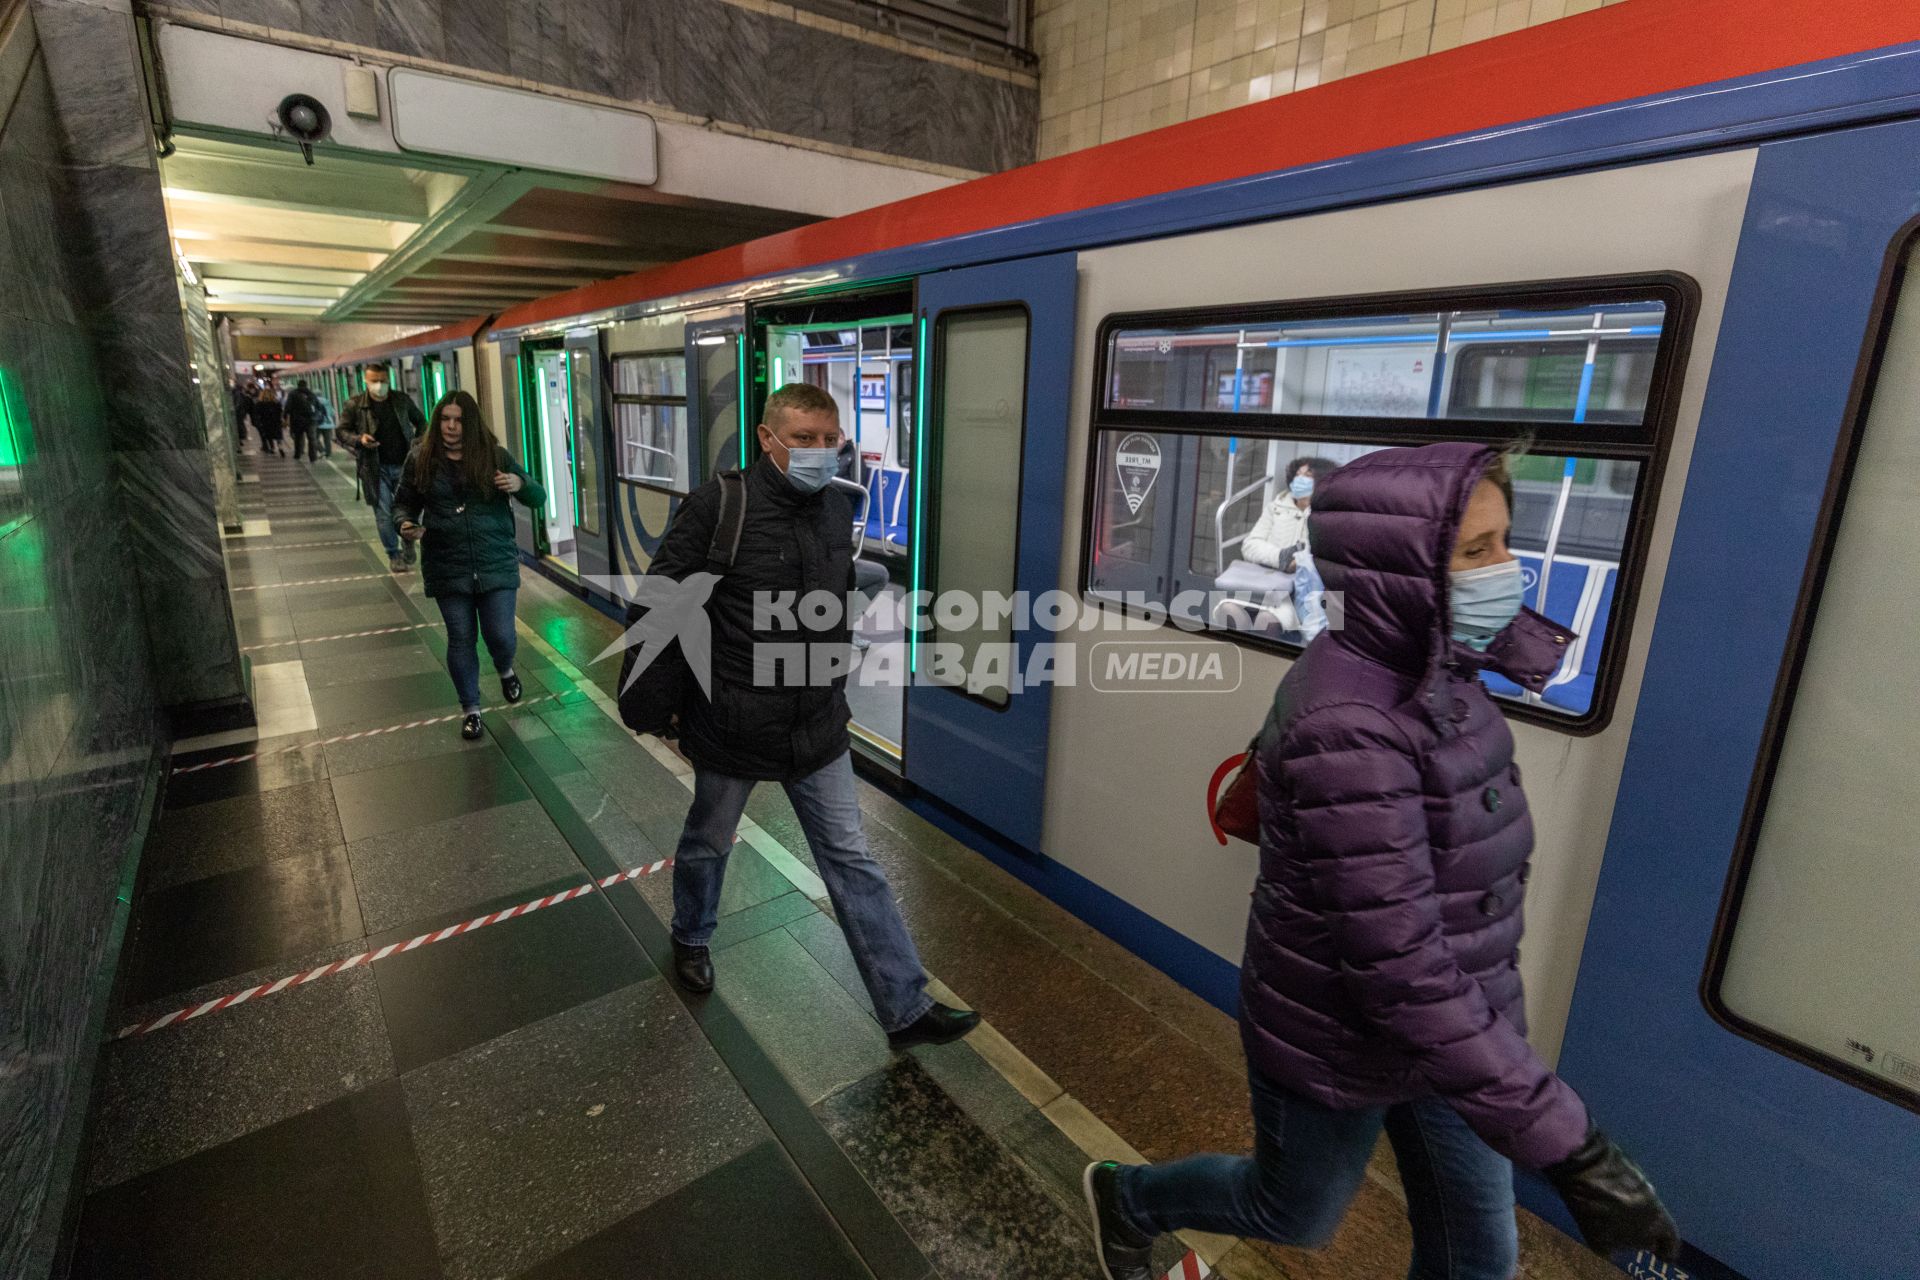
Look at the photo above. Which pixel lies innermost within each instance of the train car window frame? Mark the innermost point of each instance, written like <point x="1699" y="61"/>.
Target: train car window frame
<point x="1646" y="444"/>
<point x="1896" y="274"/>
<point x="683" y="402"/>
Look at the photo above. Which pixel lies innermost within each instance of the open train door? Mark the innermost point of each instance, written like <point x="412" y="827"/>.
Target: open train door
<point x="593" y="542"/>
<point x="995" y="346"/>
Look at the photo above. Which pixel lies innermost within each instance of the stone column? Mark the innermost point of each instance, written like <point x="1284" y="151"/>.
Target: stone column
<point x="158" y="431"/>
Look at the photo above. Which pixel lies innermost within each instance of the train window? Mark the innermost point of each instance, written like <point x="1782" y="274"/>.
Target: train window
<point x="976" y="484"/>
<point x="717" y="362"/>
<point x="1570" y="364"/>
<point x="1816" y="946"/>
<point x="650" y="420"/>
<point x="1204" y="419"/>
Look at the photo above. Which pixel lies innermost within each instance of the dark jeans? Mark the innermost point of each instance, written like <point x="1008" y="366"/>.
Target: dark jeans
<point x="828" y="807"/>
<point x="389" y="480"/>
<point x="1307" y="1163"/>
<point x="469" y="617"/>
<point x="303" y="441"/>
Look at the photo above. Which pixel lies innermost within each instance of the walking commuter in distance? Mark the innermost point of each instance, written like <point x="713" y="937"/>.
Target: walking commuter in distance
<point x="304" y="412"/>
<point x="381" y="425"/>
<point x="796" y="537"/>
<point x="1380" y="986"/>
<point x="452" y="501"/>
<point x="267" y="418"/>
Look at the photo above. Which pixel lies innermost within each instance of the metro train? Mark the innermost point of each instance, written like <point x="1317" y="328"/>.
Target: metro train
<point x="1686" y="305"/>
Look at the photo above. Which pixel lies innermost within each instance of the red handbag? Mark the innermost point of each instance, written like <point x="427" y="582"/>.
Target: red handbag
<point x="1235" y="811"/>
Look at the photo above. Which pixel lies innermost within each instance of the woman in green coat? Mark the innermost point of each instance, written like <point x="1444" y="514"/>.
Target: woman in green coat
<point x="453" y="500"/>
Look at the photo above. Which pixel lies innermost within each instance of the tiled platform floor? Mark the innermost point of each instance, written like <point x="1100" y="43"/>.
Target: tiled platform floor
<point x="533" y="1098"/>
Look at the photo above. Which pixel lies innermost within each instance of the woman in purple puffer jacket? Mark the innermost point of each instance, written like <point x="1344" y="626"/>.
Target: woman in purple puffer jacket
<point x="1379" y="988"/>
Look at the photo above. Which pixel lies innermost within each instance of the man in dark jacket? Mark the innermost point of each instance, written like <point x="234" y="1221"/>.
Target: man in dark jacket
<point x="304" y="412"/>
<point x="770" y="718"/>
<point x="380" y="425"/>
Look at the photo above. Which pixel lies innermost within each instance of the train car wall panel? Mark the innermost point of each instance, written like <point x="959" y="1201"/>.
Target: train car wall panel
<point x="1128" y="772"/>
<point x="1776" y="1166"/>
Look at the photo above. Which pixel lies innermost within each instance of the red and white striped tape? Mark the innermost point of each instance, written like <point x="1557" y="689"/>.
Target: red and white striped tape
<point x="1191" y="1267"/>
<point x="344" y="635"/>
<point x="344" y="737"/>
<point x="191" y="1012"/>
<point x="311" y="582"/>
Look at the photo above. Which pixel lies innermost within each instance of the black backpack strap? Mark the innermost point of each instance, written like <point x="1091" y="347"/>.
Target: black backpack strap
<point x="732" y="521"/>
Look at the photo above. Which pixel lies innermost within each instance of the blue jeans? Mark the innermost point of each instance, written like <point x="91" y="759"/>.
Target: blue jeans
<point x="383" y="508"/>
<point x="1307" y="1163"/>
<point x="489" y="614"/>
<point x="829" y="813"/>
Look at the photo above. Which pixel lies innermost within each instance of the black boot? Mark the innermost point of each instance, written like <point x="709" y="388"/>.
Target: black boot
<point x="693" y="966"/>
<point x="1123" y="1252"/>
<point x="470" y="727"/>
<point x="938" y="1025"/>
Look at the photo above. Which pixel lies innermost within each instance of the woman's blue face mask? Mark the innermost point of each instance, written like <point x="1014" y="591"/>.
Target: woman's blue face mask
<point x="1485" y="601"/>
<point x="1301" y="487"/>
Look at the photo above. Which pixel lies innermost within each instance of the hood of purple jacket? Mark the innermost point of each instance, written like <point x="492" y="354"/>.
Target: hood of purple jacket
<point x="1383" y="529"/>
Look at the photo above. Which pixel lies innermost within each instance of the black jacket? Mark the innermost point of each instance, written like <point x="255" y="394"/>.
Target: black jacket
<point x="397" y="425"/>
<point x="469" y="547"/>
<point x="754" y="727"/>
<point x="304" y="408"/>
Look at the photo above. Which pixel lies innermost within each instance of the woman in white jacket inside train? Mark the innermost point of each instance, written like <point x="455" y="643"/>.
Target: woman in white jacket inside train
<point x="1279" y="541"/>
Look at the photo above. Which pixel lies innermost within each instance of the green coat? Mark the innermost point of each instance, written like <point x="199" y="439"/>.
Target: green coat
<point x="470" y="546"/>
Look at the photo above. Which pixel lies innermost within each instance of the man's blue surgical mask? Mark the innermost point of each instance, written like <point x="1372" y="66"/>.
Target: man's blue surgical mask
<point x="1485" y="601"/>
<point x="1301" y="487"/>
<point x="809" y="470"/>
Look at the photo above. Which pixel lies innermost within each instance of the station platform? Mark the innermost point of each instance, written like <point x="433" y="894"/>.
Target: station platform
<point x="393" y="1004"/>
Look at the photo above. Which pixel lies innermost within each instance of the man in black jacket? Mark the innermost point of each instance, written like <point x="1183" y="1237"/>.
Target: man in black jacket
<point x="776" y="713"/>
<point x="304" y="412"/>
<point x="380" y="425"/>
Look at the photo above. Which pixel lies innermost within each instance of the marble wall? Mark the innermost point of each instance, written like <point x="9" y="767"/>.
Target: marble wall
<point x="78" y="732"/>
<point x="762" y="65"/>
<point x="129" y="304"/>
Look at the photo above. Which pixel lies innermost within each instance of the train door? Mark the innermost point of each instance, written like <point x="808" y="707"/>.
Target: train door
<point x="860" y="351"/>
<point x="593" y="548"/>
<point x="433" y="382"/>
<point x="996" y="345"/>
<point x="1745" y="1019"/>
<point x="546" y="429"/>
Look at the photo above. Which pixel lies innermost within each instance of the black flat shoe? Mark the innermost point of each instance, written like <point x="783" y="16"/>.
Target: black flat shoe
<point x="938" y="1025"/>
<point x="1120" y="1251"/>
<point x="510" y="688"/>
<point x="693" y="966"/>
<point x="470" y="727"/>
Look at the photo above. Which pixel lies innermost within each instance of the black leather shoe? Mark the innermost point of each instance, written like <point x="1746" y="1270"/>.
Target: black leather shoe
<point x="693" y="966"/>
<point x="470" y="727"/>
<point x="938" y="1025"/>
<point x="1121" y="1250"/>
<point x="510" y="688"/>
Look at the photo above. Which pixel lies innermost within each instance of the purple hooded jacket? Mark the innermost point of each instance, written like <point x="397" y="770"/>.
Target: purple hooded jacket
<point x="1394" y="837"/>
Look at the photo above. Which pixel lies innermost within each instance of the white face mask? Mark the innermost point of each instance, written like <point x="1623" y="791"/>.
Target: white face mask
<point x="378" y="390"/>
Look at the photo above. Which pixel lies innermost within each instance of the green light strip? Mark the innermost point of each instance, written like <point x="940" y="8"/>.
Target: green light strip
<point x="13" y="423"/>
<point x="741" y="412"/>
<point x="918" y="527"/>
<point x="573" y="437"/>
